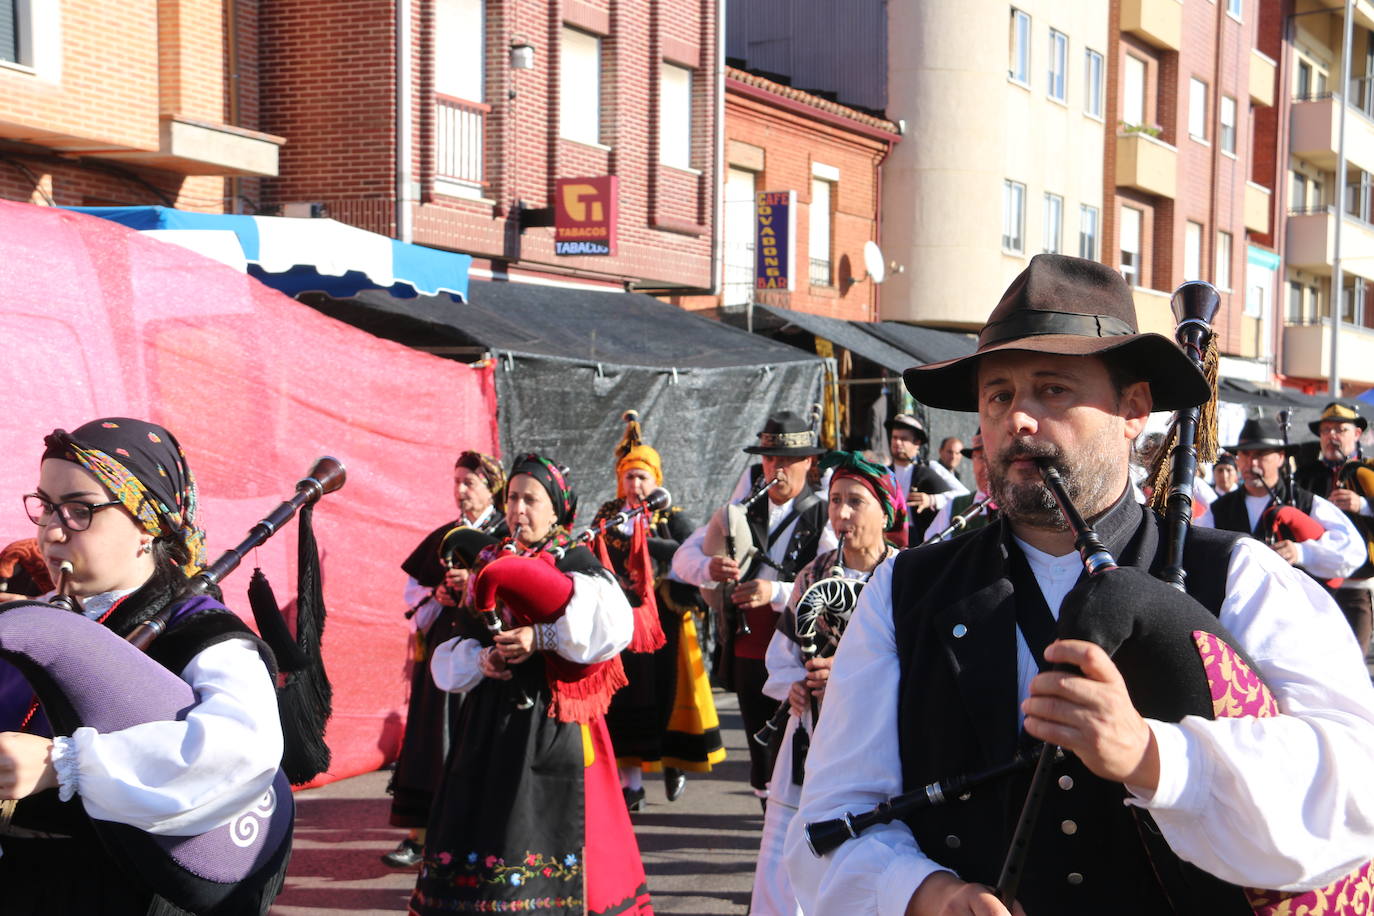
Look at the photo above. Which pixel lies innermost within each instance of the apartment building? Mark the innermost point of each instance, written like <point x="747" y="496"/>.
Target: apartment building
<point x="1189" y="178"/>
<point x="1002" y="153"/>
<point x="826" y="158"/>
<point x="1307" y="36"/>
<point x="138" y="102"/>
<point x="492" y="126"/>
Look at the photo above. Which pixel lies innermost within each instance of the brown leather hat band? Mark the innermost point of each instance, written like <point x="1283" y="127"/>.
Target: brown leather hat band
<point x="1031" y="323"/>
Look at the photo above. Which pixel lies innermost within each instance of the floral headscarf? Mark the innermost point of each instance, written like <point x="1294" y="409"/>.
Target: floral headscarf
<point x="144" y="466"/>
<point x="880" y="481"/>
<point x="554" y="479"/>
<point x="489" y="469"/>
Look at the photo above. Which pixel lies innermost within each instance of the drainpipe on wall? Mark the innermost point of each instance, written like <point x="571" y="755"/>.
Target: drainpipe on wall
<point x="718" y="197"/>
<point x="1337" y="276"/>
<point x="405" y="230"/>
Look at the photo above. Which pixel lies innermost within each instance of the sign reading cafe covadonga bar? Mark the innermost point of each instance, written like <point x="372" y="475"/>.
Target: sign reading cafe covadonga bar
<point x="584" y="215"/>
<point x="775" y="223"/>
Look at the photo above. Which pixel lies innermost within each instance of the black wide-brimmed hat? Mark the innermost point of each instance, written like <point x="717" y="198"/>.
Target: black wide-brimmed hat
<point x="1340" y="412"/>
<point x="1259" y="434"/>
<point x="786" y="434"/>
<point x="907" y="421"/>
<point x="1071" y="307"/>
<point x="977" y="443"/>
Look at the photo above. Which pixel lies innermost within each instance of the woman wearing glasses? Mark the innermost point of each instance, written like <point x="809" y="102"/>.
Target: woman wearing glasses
<point x="115" y="508"/>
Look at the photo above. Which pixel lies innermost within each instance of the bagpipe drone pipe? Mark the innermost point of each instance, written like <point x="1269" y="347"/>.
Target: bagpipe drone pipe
<point x="1174" y="654"/>
<point x="85" y="675"/>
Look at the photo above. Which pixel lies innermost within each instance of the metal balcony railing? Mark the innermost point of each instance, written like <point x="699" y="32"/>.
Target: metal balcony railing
<point x="459" y="138"/>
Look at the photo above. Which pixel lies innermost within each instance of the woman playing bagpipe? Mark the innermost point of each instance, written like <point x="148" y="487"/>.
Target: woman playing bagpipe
<point x="1176" y="789"/>
<point x="867" y="511"/>
<point x="437" y="573"/>
<point x="529" y="816"/>
<point x="117" y="524"/>
<point x="665" y="718"/>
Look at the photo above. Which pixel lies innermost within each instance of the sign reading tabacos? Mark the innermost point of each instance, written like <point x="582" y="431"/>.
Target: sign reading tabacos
<point x="775" y="223"/>
<point x="584" y="215"/>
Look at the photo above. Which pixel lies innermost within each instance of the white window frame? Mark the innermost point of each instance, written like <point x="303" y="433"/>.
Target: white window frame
<point x="675" y="115"/>
<point x="1197" y="109"/>
<point x="459" y="31"/>
<point x="1019" y="47"/>
<point x="1225" y="251"/>
<point x="579" y="104"/>
<point x="1133" y="95"/>
<point x="820" y="232"/>
<point x="1094" y="81"/>
<point x="23" y="36"/>
<point x="1235" y="8"/>
<point x="1089" y="231"/>
<point x="1054" y="223"/>
<point x="1058" y="88"/>
<point x="1192" y="250"/>
<point x="1226" y="131"/>
<point x="1132" y="229"/>
<point x="741" y="226"/>
<point x="1013" y="216"/>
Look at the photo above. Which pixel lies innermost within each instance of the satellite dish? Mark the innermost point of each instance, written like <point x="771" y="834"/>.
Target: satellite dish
<point x="873" y="262"/>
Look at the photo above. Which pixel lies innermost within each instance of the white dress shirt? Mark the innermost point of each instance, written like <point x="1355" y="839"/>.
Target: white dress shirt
<point x="595" y="627"/>
<point x="693" y="566"/>
<point x="1283" y="802"/>
<point x="1334" y="555"/>
<point x="187" y="776"/>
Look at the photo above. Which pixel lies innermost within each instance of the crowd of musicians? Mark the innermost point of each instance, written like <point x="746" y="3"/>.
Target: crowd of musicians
<point x="1084" y="673"/>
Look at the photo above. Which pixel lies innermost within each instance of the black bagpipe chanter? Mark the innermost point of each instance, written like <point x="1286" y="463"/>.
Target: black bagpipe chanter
<point x="84" y="674"/>
<point x="1173" y="654"/>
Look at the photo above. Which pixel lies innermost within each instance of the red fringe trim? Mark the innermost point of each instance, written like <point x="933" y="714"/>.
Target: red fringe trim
<point x="580" y="693"/>
<point x="648" y="633"/>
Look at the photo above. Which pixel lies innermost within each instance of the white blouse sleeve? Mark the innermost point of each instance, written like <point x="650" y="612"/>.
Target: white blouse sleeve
<point x="1338" y="552"/>
<point x="785" y="666"/>
<point x="453" y="667"/>
<point x="853" y="765"/>
<point x="422" y="599"/>
<point x="188" y="776"/>
<point x="1284" y="802"/>
<point x="597" y="623"/>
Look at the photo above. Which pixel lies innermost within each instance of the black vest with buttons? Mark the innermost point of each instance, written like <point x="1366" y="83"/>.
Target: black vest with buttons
<point x="1229" y="512"/>
<point x="954" y="613"/>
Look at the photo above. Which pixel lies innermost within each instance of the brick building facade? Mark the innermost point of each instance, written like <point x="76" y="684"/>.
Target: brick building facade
<point x="142" y="102"/>
<point x="1189" y="194"/>
<point x="778" y="138"/>
<point x="504" y="98"/>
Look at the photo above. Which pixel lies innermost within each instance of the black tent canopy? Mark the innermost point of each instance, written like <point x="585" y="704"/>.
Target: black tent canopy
<point x="570" y="361"/>
<point x="851" y="335"/>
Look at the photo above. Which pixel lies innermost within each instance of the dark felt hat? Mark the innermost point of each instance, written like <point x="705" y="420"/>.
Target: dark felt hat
<point x="977" y="443"/>
<point x="907" y="421"/>
<point x="1341" y="412"/>
<point x="1226" y="458"/>
<point x="1259" y="434"/>
<point x="1071" y="307"/>
<point x="786" y="434"/>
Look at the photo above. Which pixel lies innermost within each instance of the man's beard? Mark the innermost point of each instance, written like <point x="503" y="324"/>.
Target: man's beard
<point x="1087" y="476"/>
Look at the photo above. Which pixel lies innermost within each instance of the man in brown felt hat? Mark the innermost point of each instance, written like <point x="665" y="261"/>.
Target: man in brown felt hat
<point x="787" y="527"/>
<point x="937" y="674"/>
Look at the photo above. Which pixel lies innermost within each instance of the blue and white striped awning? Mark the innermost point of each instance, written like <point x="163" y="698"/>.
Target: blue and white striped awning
<point x="297" y="255"/>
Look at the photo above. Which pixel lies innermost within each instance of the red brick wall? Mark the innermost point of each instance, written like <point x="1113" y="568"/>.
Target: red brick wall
<point x="792" y="140"/>
<point x="1210" y="184"/>
<point x="329" y="85"/>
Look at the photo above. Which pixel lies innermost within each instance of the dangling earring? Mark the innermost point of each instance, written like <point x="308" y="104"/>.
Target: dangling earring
<point x="145" y="547"/>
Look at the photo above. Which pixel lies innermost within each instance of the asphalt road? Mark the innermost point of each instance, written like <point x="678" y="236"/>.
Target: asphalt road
<point x="698" y="851"/>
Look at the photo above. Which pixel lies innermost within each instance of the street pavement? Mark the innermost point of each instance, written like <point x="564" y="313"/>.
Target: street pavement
<point x="698" y="851"/>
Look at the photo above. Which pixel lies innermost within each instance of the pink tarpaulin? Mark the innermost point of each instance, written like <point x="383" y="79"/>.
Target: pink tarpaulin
<point x="98" y="320"/>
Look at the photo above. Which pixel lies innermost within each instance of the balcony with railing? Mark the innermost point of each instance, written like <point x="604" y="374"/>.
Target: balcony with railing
<point x="1314" y="127"/>
<point x="1312" y="242"/>
<point x="1146" y="164"/>
<point x="820" y="272"/>
<point x="1157" y="22"/>
<point x="459" y="147"/>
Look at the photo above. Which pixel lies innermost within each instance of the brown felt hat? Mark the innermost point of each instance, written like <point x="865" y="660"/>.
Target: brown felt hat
<point x="1070" y="307"/>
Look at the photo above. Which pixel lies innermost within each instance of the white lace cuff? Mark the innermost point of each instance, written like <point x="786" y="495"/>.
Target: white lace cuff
<point x="65" y="763"/>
